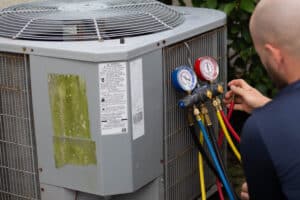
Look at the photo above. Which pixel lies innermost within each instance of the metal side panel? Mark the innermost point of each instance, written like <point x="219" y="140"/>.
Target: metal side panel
<point x="147" y="131"/>
<point x="65" y="110"/>
<point x="83" y="143"/>
<point x="18" y="164"/>
<point x="181" y="162"/>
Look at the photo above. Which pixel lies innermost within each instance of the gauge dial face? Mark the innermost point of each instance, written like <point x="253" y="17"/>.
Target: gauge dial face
<point x="186" y="79"/>
<point x="207" y="68"/>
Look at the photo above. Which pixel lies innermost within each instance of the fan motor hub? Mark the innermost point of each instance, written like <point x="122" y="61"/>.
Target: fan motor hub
<point x="82" y="6"/>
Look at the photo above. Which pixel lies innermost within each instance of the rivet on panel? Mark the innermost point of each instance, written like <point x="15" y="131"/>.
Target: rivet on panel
<point x="122" y="40"/>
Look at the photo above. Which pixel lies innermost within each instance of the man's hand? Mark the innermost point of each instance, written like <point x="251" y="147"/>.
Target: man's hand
<point x="246" y="98"/>
<point x="244" y="192"/>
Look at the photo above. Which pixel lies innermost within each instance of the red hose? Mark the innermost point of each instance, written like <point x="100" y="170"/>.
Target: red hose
<point x="220" y="138"/>
<point x="229" y="114"/>
<point x="220" y="192"/>
<point x="220" y="141"/>
<point x="230" y="110"/>
<point x="231" y="129"/>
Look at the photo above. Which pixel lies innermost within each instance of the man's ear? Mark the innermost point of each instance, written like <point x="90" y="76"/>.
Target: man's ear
<point x="274" y="53"/>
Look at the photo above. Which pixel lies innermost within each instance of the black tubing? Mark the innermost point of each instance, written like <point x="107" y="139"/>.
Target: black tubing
<point x="210" y="131"/>
<point x="202" y="151"/>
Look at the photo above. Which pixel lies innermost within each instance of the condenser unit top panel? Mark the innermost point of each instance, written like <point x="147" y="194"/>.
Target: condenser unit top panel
<point x="77" y="20"/>
<point x="197" y="21"/>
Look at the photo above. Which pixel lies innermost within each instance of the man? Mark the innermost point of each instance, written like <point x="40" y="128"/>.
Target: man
<point x="270" y="144"/>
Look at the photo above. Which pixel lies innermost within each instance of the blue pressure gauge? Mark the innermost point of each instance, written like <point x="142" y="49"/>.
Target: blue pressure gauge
<point x="184" y="79"/>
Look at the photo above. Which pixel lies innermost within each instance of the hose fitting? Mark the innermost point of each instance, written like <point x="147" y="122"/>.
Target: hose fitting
<point x="217" y="89"/>
<point x="197" y="113"/>
<point x="217" y="104"/>
<point x="204" y="112"/>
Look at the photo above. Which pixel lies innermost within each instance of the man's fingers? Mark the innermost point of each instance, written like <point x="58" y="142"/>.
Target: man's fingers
<point x="238" y="100"/>
<point x="245" y="187"/>
<point x="239" y="83"/>
<point x="244" y="192"/>
<point x="228" y="97"/>
<point x="238" y="90"/>
<point x="239" y="107"/>
<point x="228" y="94"/>
<point x="245" y="196"/>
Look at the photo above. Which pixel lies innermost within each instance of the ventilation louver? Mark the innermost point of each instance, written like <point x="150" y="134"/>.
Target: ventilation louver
<point x="75" y="20"/>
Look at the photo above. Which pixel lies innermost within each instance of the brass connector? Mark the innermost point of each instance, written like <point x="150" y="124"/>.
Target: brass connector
<point x="220" y="89"/>
<point x="204" y="112"/>
<point x="209" y="94"/>
<point x="215" y="104"/>
<point x="197" y="113"/>
<point x="219" y="103"/>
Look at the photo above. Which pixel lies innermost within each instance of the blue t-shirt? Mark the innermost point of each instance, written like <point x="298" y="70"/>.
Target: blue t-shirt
<point x="270" y="147"/>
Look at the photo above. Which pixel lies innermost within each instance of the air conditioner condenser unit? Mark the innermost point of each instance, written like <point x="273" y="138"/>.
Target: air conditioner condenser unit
<point x="87" y="107"/>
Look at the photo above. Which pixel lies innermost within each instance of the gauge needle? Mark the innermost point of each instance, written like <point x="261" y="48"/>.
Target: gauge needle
<point x="208" y="67"/>
<point x="187" y="78"/>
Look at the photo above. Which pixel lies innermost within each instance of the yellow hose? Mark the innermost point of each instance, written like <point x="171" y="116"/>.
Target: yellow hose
<point x="201" y="170"/>
<point x="229" y="140"/>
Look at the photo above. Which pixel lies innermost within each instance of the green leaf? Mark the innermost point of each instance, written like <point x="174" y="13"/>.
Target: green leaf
<point x="262" y="88"/>
<point x="234" y="29"/>
<point x="246" y="35"/>
<point x="221" y="6"/>
<point x="212" y="3"/>
<point x="247" y="5"/>
<point x="196" y="3"/>
<point x="229" y="8"/>
<point x="245" y="54"/>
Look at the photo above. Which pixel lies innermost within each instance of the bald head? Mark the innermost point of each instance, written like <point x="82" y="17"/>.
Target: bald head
<point x="277" y="22"/>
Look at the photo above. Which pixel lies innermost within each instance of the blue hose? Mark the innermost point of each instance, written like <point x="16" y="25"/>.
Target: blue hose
<point x="214" y="157"/>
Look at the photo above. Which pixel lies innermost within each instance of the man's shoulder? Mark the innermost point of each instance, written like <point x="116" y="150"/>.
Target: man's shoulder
<point x="274" y="109"/>
<point x="275" y="123"/>
<point x="286" y="100"/>
<point x="261" y="123"/>
<point x="251" y="129"/>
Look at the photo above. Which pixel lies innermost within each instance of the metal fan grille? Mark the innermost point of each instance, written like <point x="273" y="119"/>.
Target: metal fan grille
<point x="86" y="19"/>
<point x="181" y="162"/>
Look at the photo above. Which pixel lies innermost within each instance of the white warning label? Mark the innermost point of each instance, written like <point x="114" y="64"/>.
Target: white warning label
<point x="137" y="98"/>
<point x="113" y="98"/>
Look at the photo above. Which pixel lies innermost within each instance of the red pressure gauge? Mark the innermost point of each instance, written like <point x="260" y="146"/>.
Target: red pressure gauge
<point x="206" y="68"/>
